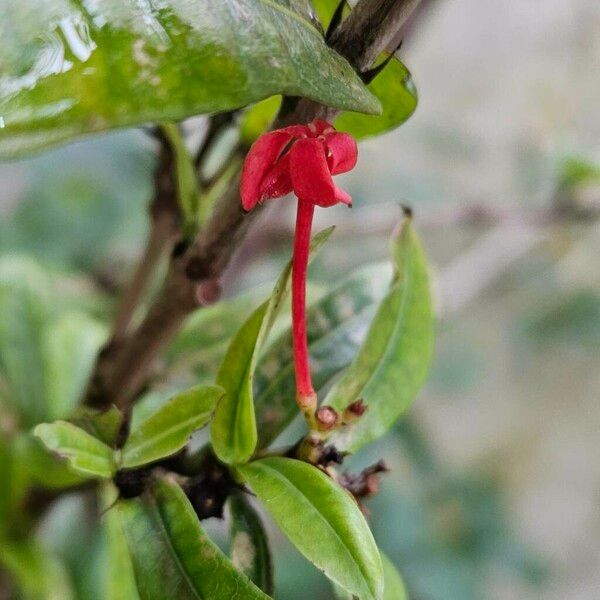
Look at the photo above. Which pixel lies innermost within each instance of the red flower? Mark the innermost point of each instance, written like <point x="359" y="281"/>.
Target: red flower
<point x="302" y="159"/>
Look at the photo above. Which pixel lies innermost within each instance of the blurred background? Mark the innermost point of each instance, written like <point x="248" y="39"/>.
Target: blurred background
<point x="493" y="491"/>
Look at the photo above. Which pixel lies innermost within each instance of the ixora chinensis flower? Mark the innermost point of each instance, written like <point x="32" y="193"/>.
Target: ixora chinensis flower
<point x="300" y="159"/>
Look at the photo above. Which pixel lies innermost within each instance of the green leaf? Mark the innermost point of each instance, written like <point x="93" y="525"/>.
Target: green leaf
<point x="336" y="326"/>
<point x="85" y="453"/>
<point x="118" y="576"/>
<point x="14" y="485"/>
<point x="255" y="120"/>
<point x="69" y="347"/>
<point x="233" y="430"/>
<point x="169" y="429"/>
<point x="72" y="68"/>
<point x="393" y="586"/>
<point x="46" y="345"/>
<point x="398" y="95"/>
<point x="42" y="467"/>
<point x="392" y="363"/>
<point x="321" y="520"/>
<point x="250" y="551"/>
<point x="172" y="556"/>
<point x="38" y="574"/>
<point x="103" y="425"/>
<point x="188" y="191"/>
<point x="324" y="10"/>
<point x="203" y="340"/>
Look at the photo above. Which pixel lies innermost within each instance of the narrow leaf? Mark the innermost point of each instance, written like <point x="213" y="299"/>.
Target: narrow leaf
<point x="85" y="453"/>
<point x="188" y="191"/>
<point x="337" y="325"/>
<point x="392" y="363"/>
<point x="321" y="520"/>
<point x="250" y="551"/>
<point x="233" y="430"/>
<point x="168" y="430"/>
<point x="172" y="556"/>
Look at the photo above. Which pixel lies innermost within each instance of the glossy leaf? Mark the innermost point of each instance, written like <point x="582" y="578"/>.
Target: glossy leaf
<point x="393" y="86"/>
<point x="172" y="556"/>
<point x="71" y="68"/>
<point x="337" y="325"/>
<point x="321" y="520"/>
<point x="392" y="363"/>
<point x="233" y="429"/>
<point x="250" y="551"/>
<point x="85" y="453"/>
<point x="168" y="430"/>
<point x="393" y="585"/>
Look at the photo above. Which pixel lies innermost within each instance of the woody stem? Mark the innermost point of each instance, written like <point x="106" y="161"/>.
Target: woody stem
<point x="305" y="393"/>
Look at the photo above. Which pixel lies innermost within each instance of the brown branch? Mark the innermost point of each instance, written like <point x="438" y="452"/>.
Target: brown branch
<point x="164" y="229"/>
<point x="194" y="273"/>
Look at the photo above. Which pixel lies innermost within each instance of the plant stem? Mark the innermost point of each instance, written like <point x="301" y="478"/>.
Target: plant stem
<point x="305" y="393"/>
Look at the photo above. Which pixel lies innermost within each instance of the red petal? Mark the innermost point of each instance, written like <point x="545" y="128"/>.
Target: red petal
<point x="277" y="182"/>
<point x="320" y="127"/>
<point x="310" y="174"/>
<point x="298" y="131"/>
<point x="260" y="159"/>
<point x="342" y="152"/>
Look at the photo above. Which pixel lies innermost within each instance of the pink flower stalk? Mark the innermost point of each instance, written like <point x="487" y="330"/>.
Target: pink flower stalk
<point x="302" y="159"/>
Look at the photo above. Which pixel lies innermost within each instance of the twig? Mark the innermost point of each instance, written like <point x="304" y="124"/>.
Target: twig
<point x="164" y="229"/>
<point x="193" y="276"/>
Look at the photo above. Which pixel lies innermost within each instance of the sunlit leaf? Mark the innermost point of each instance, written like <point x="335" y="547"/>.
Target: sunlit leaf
<point x="321" y="520"/>
<point x="233" y="429"/>
<point x="250" y="551"/>
<point x="71" y="68"/>
<point x="85" y="453"/>
<point x="392" y="363"/>
<point x="398" y="96"/>
<point x="172" y="556"/>
<point x="255" y="120"/>
<point x="337" y="325"/>
<point x="168" y="430"/>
